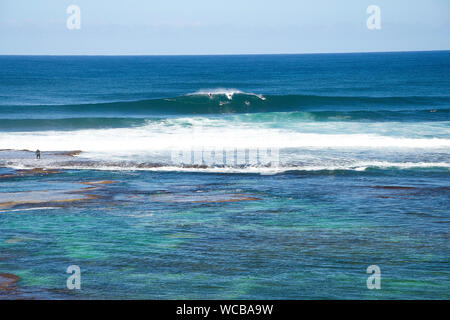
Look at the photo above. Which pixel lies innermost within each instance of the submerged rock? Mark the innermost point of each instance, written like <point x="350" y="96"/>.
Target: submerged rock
<point x="7" y="280"/>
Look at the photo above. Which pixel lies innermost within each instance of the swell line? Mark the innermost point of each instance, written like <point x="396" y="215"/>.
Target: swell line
<point x="205" y="102"/>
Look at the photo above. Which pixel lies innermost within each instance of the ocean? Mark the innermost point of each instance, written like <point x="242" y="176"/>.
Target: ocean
<point x="225" y="177"/>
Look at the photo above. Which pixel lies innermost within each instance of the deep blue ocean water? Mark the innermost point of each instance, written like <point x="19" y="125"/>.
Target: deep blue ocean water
<point x="362" y="143"/>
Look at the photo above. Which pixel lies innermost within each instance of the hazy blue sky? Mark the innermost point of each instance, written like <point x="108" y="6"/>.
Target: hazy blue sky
<point x="221" y="27"/>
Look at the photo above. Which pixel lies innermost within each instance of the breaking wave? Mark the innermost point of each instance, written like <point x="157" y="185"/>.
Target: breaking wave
<point x="228" y="101"/>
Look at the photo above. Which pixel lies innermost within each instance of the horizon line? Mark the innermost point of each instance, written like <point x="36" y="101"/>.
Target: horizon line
<point x="220" y="54"/>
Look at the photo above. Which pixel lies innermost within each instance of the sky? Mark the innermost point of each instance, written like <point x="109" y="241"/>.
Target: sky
<point x="148" y="27"/>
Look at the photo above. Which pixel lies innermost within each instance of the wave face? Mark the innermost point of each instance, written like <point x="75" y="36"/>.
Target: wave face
<point x="353" y="114"/>
<point x="320" y="108"/>
<point x="224" y="103"/>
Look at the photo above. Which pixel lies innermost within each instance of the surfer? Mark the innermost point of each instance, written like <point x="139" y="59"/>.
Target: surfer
<point x="38" y="154"/>
<point x="247" y="103"/>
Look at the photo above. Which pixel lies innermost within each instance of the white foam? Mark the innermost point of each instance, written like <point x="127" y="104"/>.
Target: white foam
<point x="163" y="137"/>
<point x="355" y="166"/>
<point x="226" y="92"/>
<point x="29" y="209"/>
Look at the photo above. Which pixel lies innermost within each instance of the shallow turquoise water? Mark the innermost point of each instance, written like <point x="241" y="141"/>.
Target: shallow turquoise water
<point x="309" y="236"/>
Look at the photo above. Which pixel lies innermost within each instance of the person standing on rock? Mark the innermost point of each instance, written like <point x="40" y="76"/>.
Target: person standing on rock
<point x="38" y="154"/>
